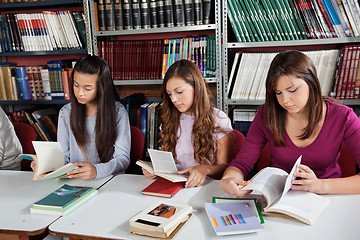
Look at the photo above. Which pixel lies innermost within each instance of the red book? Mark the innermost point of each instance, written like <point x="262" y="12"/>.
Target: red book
<point x="163" y="188"/>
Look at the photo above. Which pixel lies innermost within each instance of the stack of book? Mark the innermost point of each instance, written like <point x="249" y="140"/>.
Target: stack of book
<point x="249" y="71"/>
<point x="64" y="200"/>
<point x="269" y="20"/>
<point x="161" y="220"/>
<point x="45" y="31"/>
<point x="144" y="14"/>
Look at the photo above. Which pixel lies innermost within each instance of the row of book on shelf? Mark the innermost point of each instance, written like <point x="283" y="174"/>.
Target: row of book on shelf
<point x="144" y="14"/>
<point x="150" y="59"/>
<point x="267" y="20"/>
<point x="337" y="70"/>
<point x="41" y="82"/>
<point x="45" y="31"/>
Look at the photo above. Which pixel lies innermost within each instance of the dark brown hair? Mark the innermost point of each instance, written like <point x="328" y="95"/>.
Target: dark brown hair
<point x="105" y="127"/>
<point x="202" y="110"/>
<point x="298" y="64"/>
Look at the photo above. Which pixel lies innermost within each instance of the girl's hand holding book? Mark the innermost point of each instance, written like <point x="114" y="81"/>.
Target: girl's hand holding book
<point x="197" y="175"/>
<point x="85" y="171"/>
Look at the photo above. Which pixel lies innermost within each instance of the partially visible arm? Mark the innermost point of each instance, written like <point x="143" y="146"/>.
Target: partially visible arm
<point x="309" y="182"/>
<point x="63" y="132"/>
<point x="231" y="180"/>
<point x="10" y="146"/>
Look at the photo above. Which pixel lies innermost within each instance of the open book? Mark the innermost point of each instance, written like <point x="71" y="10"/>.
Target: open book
<point x="163" y="165"/>
<point x="275" y="185"/>
<point x="49" y="160"/>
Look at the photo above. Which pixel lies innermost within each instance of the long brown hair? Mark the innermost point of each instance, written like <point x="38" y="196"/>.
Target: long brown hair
<point x="202" y="110"/>
<point x="298" y="64"/>
<point x="105" y="127"/>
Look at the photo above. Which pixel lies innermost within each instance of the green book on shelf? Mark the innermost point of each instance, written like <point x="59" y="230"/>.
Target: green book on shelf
<point x="255" y="37"/>
<point x="279" y="16"/>
<point x="255" y="20"/>
<point x="290" y="20"/>
<point x="235" y="23"/>
<point x="63" y="200"/>
<point x="264" y="20"/>
<point x="279" y="33"/>
<point x="291" y="7"/>
<point x="242" y="21"/>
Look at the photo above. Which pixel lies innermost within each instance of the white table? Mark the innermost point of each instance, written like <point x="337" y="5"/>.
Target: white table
<point x="107" y="215"/>
<point x="19" y="192"/>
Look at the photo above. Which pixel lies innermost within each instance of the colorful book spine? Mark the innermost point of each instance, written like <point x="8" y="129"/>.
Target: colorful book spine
<point x="23" y="83"/>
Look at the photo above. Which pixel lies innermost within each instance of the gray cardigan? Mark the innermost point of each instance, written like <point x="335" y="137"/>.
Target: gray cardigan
<point x="121" y="157"/>
<point x="10" y="146"/>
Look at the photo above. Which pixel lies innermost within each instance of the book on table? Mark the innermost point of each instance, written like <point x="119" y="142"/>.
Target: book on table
<point x="229" y="218"/>
<point x="163" y="165"/>
<point x="162" y="187"/>
<point x="64" y="200"/>
<point x="161" y="220"/>
<point x="275" y="186"/>
<point x="49" y="161"/>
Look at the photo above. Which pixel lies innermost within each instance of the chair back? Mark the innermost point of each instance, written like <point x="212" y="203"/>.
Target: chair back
<point x="236" y="143"/>
<point x="137" y="150"/>
<point x="26" y="134"/>
<point x="346" y="162"/>
<point x="264" y="158"/>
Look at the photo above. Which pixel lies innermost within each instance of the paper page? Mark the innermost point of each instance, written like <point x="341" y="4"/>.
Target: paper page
<point x="305" y="206"/>
<point x="59" y="173"/>
<point x="50" y="156"/>
<point x="291" y="176"/>
<point x="173" y="177"/>
<point x="146" y="165"/>
<point x="162" y="161"/>
<point x="270" y="182"/>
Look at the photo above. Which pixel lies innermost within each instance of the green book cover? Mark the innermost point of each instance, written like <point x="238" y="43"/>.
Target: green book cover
<point x="88" y="194"/>
<point x="273" y="19"/>
<point x="243" y="21"/>
<point x="264" y="20"/>
<point x="255" y="19"/>
<point x="63" y="196"/>
<point x="251" y="202"/>
<point x="290" y="20"/>
<point x="235" y="23"/>
<point x="255" y="37"/>
<point x="280" y="17"/>
<point x="291" y="6"/>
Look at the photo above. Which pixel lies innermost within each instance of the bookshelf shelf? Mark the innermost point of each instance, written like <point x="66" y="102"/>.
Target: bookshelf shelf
<point x="45" y="53"/>
<point x="149" y="82"/>
<point x="39" y="4"/>
<point x="155" y="30"/>
<point x="34" y="102"/>
<point x="307" y="42"/>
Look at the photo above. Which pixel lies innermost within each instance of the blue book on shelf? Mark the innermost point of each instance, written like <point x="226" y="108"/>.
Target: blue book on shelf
<point x="55" y="78"/>
<point x="23" y="83"/>
<point x="143" y="118"/>
<point x="232" y="218"/>
<point x="329" y="8"/>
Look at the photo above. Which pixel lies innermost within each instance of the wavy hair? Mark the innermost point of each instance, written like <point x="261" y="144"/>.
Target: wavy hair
<point x="202" y="110"/>
<point x="298" y="64"/>
<point x="105" y="126"/>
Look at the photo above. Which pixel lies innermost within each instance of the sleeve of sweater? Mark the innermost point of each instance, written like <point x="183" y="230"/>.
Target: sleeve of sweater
<point x="352" y="135"/>
<point x="63" y="134"/>
<point x="121" y="157"/>
<point x="10" y="146"/>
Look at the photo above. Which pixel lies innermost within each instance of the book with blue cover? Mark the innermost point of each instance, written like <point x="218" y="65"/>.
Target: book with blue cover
<point x="64" y="200"/>
<point x="232" y="218"/>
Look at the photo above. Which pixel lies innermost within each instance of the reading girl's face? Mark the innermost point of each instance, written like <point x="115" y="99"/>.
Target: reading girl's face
<point x="292" y="93"/>
<point x="85" y="88"/>
<point x="181" y="94"/>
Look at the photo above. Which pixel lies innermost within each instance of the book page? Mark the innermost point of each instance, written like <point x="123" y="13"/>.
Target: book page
<point x="270" y="182"/>
<point x="49" y="156"/>
<point x="163" y="162"/>
<point x="302" y="205"/>
<point x="146" y="165"/>
<point x="291" y="176"/>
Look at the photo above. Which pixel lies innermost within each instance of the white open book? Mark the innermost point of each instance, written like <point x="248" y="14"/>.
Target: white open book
<point x="163" y="165"/>
<point x="49" y="160"/>
<point x="275" y="185"/>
